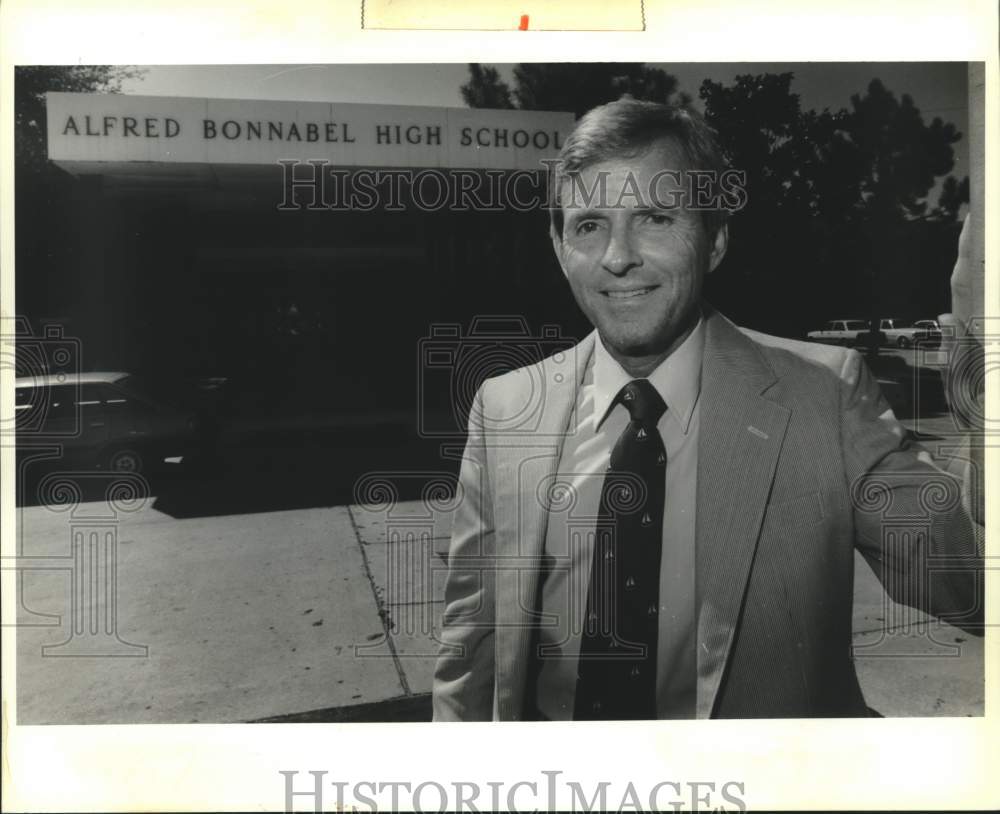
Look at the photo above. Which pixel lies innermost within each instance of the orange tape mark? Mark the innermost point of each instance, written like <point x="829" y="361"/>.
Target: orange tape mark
<point x="524" y="23"/>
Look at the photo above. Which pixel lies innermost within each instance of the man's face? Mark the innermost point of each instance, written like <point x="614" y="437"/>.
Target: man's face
<point x="635" y="262"/>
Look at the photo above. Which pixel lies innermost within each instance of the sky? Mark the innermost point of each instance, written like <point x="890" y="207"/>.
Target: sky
<point x="938" y="89"/>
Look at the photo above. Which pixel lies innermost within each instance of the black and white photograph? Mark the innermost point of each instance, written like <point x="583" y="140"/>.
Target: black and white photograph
<point x="530" y="392"/>
<point x="255" y="336"/>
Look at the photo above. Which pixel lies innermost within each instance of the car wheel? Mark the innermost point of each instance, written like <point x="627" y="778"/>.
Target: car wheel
<point x="902" y="342"/>
<point x="125" y="460"/>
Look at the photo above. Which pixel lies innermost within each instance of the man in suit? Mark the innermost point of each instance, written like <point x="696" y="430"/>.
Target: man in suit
<point x="661" y="523"/>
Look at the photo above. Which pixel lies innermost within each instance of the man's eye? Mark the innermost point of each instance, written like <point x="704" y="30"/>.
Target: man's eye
<point x="659" y="218"/>
<point x="586" y="227"/>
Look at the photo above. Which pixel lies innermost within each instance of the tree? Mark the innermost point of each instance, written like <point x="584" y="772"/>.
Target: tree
<point x="576" y="87"/>
<point x="801" y="183"/>
<point x="835" y="204"/>
<point x="44" y="215"/>
<point x="953" y="195"/>
<point x="31" y="83"/>
<point x="485" y="88"/>
<point x="902" y="156"/>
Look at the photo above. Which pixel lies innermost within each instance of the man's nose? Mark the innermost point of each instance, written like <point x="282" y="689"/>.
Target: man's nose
<point x="620" y="255"/>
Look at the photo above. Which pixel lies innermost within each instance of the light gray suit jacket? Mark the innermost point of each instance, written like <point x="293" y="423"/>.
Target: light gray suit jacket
<point x="799" y="461"/>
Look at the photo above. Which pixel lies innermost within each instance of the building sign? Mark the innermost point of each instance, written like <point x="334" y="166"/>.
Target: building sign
<point x="115" y="128"/>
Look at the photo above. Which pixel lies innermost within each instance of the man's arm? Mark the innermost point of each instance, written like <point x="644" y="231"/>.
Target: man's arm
<point x="912" y="522"/>
<point x="965" y="386"/>
<point x="464" y="675"/>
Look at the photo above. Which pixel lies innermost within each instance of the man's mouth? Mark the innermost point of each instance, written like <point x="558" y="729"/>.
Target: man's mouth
<point x="629" y="293"/>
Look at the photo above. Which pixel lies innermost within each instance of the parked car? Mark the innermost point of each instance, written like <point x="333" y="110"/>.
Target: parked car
<point x="903" y="333"/>
<point x="849" y="332"/>
<point x="928" y="332"/>
<point x="899" y="332"/>
<point x="104" y="420"/>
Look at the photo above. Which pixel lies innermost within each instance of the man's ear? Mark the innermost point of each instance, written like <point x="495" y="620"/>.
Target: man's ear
<point x="719" y="246"/>
<point x="557" y="246"/>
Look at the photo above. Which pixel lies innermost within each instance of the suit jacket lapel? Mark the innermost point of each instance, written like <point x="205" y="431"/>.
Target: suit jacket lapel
<point x="738" y="444"/>
<point x="525" y="460"/>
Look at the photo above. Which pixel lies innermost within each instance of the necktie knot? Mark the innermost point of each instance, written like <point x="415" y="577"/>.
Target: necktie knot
<point x="642" y="401"/>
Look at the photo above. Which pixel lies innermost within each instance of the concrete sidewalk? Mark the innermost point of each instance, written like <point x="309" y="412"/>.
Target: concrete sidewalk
<point x="322" y="614"/>
<point x="240" y="617"/>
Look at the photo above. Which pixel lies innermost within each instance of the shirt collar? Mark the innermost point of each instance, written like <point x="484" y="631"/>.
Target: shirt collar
<point x="677" y="378"/>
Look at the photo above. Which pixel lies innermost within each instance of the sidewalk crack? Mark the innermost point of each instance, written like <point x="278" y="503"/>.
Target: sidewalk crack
<point x="383" y="609"/>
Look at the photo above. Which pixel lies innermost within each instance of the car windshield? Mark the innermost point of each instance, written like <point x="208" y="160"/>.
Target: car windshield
<point x="856" y="325"/>
<point x="899" y="323"/>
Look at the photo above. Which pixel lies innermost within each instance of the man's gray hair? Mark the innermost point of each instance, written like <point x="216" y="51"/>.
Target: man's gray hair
<point x="628" y="128"/>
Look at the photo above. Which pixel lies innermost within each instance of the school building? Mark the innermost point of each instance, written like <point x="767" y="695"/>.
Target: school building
<point x="303" y="245"/>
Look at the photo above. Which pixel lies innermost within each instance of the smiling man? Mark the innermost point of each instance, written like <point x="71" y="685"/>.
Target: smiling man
<point x="672" y="534"/>
<point x="636" y="261"/>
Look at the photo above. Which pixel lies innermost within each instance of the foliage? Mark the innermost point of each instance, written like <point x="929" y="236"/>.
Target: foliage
<point x="485" y="88"/>
<point x="569" y="86"/>
<point x="31" y="84"/>
<point x="836" y="203"/>
<point x="900" y="155"/>
<point x="954" y="193"/>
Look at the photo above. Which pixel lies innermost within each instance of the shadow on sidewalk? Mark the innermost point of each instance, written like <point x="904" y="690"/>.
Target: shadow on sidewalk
<point x="397" y="710"/>
<point x="263" y="473"/>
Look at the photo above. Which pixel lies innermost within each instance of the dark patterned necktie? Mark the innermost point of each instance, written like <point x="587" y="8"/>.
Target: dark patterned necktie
<point x="616" y="673"/>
